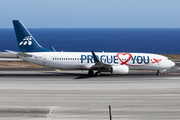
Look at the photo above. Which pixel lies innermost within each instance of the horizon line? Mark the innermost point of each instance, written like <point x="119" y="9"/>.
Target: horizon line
<point x="93" y="28"/>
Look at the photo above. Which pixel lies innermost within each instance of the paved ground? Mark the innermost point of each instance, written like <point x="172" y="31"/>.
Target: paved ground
<point x="43" y="93"/>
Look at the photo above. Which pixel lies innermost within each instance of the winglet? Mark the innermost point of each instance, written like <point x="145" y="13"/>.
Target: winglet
<point x="95" y="57"/>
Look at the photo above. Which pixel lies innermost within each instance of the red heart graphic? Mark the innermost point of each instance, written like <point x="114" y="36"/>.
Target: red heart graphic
<point x="124" y="62"/>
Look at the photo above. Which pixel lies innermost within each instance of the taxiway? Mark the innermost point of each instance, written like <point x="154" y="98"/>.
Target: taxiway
<point x="45" y="93"/>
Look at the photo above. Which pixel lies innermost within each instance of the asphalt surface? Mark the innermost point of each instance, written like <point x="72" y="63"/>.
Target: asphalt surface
<point x="45" y="93"/>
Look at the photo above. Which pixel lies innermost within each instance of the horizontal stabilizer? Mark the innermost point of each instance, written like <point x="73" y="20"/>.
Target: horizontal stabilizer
<point x="13" y="52"/>
<point x="24" y="54"/>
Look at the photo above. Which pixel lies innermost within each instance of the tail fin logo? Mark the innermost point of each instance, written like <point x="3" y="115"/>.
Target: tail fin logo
<point x="26" y="41"/>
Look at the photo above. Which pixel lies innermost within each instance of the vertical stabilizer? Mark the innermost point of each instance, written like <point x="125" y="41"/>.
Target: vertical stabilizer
<point x="26" y="41"/>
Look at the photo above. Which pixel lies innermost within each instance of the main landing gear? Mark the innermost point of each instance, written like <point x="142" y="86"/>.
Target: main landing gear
<point x="98" y="73"/>
<point x="91" y="73"/>
<point x="158" y="72"/>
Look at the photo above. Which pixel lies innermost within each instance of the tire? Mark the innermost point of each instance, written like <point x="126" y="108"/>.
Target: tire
<point x="98" y="74"/>
<point x="90" y="72"/>
<point x="158" y="73"/>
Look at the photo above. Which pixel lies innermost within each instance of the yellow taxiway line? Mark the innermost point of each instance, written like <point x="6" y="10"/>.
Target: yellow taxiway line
<point x="57" y="70"/>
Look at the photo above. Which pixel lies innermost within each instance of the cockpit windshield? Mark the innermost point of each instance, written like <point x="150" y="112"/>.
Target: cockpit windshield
<point x="166" y="59"/>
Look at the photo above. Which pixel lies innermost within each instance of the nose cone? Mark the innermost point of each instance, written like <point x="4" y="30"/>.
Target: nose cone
<point x="172" y="64"/>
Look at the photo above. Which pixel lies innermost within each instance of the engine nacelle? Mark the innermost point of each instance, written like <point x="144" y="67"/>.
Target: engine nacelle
<point x="120" y="69"/>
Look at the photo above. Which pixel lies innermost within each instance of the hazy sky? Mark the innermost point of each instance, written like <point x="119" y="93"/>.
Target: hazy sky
<point x="91" y="13"/>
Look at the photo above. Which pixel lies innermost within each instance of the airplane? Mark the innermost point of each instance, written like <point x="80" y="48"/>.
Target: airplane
<point x="116" y="63"/>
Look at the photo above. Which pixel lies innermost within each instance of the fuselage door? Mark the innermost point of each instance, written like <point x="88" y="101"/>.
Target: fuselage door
<point x="44" y="59"/>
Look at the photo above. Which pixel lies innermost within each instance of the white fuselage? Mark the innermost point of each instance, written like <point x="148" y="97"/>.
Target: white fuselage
<point x="84" y="60"/>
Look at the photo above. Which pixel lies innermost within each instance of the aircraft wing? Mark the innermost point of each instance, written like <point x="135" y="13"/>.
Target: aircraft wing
<point x="99" y="64"/>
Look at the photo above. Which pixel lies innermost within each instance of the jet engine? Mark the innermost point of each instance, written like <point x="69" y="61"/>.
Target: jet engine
<point x="120" y="69"/>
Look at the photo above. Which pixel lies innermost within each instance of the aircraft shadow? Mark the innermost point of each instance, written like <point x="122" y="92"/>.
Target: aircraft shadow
<point x="79" y="75"/>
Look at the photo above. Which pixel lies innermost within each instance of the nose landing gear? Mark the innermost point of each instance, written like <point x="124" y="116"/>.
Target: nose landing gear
<point x="158" y="72"/>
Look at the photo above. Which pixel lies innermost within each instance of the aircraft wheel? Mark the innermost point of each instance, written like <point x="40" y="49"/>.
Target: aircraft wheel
<point x="98" y="73"/>
<point x="90" y="72"/>
<point x="158" y="73"/>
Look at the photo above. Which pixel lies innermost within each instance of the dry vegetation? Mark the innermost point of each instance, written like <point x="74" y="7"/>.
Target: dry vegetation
<point x="173" y="57"/>
<point x="19" y="65"/>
